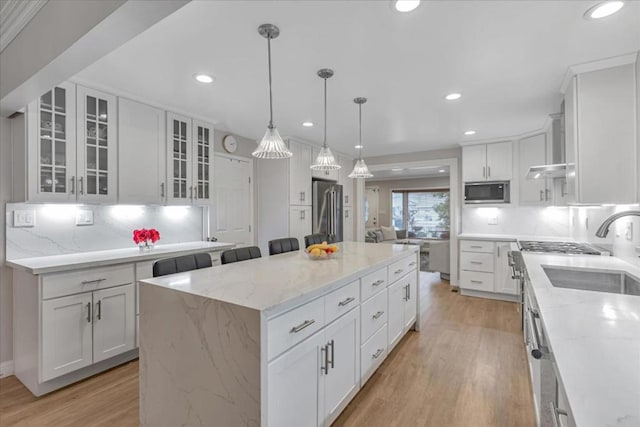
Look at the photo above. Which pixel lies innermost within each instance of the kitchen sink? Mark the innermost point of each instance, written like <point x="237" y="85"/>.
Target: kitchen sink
<point x="615" y="282"/>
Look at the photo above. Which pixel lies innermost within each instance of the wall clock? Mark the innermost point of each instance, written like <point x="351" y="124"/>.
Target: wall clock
<point x="230" y="144"/>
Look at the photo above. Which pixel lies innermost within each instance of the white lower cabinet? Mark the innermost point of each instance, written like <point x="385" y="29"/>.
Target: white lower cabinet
<point x="484" y="267"/>
<point x="402" y="307"/>
<point x="66" y="335"/>
<point x="372" y="354"/>
<point x="114" y="328"/>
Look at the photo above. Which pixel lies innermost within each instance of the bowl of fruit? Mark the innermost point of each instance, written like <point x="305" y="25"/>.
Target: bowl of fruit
<point x="321" y="251"/>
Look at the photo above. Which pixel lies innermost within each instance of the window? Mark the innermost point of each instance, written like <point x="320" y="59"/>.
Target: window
<point x="423" y="213"/>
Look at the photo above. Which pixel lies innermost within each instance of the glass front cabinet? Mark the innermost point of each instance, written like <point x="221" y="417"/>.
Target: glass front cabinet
<point x="189" y="160"/>
<point x="72" y="146"/>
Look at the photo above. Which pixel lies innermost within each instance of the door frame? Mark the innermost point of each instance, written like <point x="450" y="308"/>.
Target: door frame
<point x="252" y="215"/>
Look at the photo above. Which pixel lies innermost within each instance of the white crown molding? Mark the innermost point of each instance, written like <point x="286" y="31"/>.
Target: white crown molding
<point x="601" y="64"/>
<point x="14" y="16"/>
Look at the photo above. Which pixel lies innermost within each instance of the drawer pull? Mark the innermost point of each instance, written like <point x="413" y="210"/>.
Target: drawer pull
<point x="378" y="314"/>
<point x="398" y="271"/>
<point x="347" y="301"/>
<point x="378" y="282"/>
<point x="411" y="264"/>
<point x="476" y="247"/>
<point x="377" y="353"/>
<point x="99" y="315"/>
<point x="88" y="282"/>
<point x="301" y="326"/>
<point x="477" y="281"/>
<point x="476" y="262"/>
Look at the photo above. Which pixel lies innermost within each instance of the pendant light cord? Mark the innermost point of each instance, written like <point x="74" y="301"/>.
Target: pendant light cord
<point x="270" y="95"/>
<point x="360" y="120"/>
<point x="324" y="143"/>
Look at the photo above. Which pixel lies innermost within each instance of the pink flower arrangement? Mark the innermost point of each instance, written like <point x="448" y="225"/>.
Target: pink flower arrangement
<point x="144" y="236"/>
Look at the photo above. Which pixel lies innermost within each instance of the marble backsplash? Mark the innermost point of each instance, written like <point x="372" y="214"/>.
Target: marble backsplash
<point x="519" y="221"/>
<point x="55" y="231"/>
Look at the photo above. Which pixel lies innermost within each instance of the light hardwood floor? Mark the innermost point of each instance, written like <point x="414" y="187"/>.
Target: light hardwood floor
<point x="467" y="367"/>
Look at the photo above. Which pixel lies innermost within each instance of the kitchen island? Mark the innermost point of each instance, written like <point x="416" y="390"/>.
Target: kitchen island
<point x="274" y="341"/>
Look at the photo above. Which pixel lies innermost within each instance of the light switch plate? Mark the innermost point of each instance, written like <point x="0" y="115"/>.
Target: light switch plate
<point x="84" y="217"/>
<point x="493" y="220"/>
<point x="24" y="218"/>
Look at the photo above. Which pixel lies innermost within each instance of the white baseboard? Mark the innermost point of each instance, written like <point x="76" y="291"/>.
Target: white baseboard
<point x="6" y="368"/>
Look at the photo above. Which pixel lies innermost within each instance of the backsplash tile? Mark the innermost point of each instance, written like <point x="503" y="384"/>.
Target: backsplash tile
<point x="519" y="221"/>
<point x="55" y="231"/>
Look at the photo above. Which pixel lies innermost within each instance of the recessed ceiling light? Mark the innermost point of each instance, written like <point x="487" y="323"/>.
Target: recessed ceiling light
<point x="453" y="96"/>
<point x="357" y="147"/>
<point x="470" y="132"/>
<point x="442" y="170"/>
<point x="405" y="5"/>
<point x="604" y="9"/>
<point x="307" y="124"/>
<point x="203" y="78"/>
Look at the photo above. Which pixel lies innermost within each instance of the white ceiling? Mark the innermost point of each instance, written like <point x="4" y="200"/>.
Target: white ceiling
<point x="508" y="58"/>
<point x="410" y="173"/>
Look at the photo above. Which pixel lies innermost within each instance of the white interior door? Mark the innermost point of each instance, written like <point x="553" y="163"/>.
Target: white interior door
<point x="371" y="207"/>
<point x="233" y="211"/>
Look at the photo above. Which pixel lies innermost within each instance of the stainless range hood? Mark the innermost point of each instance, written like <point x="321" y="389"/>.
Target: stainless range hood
<point x="558" y="168"/>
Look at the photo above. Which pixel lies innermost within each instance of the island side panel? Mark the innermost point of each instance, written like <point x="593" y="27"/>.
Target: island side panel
<point x="199" y="361"/>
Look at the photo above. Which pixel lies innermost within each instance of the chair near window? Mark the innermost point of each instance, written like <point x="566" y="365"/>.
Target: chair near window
<point x="240" y="254"/>
<point x="181" y="264"/>
<point x="280" y="246"/>
<point x="316" y="239"/>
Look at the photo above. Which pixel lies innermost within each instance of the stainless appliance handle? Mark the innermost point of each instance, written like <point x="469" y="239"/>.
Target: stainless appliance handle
<point x="555" y="414"/>
<point x="301" y="326"/>
<point x="334" y="204"/>
<point x="536" y="350"/>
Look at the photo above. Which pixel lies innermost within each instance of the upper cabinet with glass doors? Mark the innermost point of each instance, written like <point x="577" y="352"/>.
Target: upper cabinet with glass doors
<point x="189" y="155"/>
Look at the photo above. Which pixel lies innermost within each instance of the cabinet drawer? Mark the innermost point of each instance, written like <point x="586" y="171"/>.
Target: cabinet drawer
<point x="341" y="300"/>
<point x="476" y="281"/>
<point x="374" y="315"/>
<point x="294" y="326"/>
<point x="477" y="246"/>
<point x="372" y="353"/>
<point x="476" y="261"/>
<point x="373" y="283"/>
<point x="402" y="267"/>
<point x="61" y="284"/>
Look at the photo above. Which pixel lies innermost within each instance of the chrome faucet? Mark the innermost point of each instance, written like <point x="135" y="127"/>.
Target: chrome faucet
<point x="603" y="230"/>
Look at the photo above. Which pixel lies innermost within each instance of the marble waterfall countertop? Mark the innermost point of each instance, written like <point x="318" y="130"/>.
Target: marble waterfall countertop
<point x="273" y="283"/>
<point x="595" y="340"/>
<point x="66" y="262"/>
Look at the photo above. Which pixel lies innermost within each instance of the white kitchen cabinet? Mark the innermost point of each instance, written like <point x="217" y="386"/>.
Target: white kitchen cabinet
<point x="50" y="151"/>
<point x="300" y="222"/>
<point x="202" y="162"/>
<point x="505" y="283"/>
<point x="347" y="223"/>
<point x="114" y="329"/>
<point x="96" y="161"/>
<point x="344" y="180"/>
<point x="332" y="175"/>
<point x="179" y="159"/>
<point x="402" y="307"/>
<point x="296" y="385"/>
<point x="532" y="151"/>
<point x="66" y="335"/>
<point x="601" y="146"/>
<point x="142" y="160"/>
<point x="410" y="304"/>
<point x="487" y="162"/>
<point x="342" y="381"/>
<point x="485" y="271"/>
<point x="299" y="174"/>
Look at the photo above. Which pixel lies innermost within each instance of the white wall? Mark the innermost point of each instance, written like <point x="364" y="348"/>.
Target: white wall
<point x="6" y="321"/>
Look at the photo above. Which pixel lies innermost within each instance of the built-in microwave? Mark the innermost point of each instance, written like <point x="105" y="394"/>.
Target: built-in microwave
<point x="487" y="192"/>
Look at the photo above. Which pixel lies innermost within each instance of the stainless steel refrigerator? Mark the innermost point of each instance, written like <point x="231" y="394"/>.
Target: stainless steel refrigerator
<point x="327" y="209"/>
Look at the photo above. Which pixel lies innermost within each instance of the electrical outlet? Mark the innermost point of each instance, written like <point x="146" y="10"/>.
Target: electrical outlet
<point x="84" y="217"/>
<point x="628" y="233"/>
<point x="493" y="220"/>
<point x="24" y="218"/>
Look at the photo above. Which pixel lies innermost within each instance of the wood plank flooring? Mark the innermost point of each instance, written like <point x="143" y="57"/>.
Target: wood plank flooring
<point x="466" y="367"/>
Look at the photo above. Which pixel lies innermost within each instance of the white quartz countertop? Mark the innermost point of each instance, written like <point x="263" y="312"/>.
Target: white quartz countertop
<point x="66" y="262"/>
<point x="595" y="340"/>
<point x="274" y="283"/>
<point x="511" y="237"/>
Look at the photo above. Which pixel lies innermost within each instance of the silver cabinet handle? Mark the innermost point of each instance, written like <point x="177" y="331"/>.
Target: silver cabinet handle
<point x="498" y="249"/>
<point x="162" y="190"/>
<point x="377" y="353"/>
<point x="346" y="199"/>
<point x="398" y="271"/>
<point x="88" y="282"/>
<point x="88" y="312"/>
<point x="484" y="171"/>
<point x="408" y="291"/>
<point x="73" y="185"/>
<point x="346" y="213"/>
<point x="536" y="350"/>
<point x="378" y="314"/>
<point x="411" y="264"/>
<point x="476" y="262"/>
<point x="191" y="192"/>
<point x="302" y="214"/>
<point x="377" y="282"/>
<point x="302" y="196"/>
<point x="477" y="281"/>
<point x="301" y="326"/>
<point x="324" y="365"/>
<point x="346" y="301"/>
<point x="330" y="361"/>
<point x="488" y="171"/>
<point x="99" y="315"/>
<point x="81" y="185"/>
<point x="541" y="195"/>
<point x="476" y="247"/>
<point x="546" y="194"/>
<point x="555" y="414"/>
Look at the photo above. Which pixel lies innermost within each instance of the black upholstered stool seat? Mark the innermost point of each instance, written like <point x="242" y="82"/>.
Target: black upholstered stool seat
<point x="181" y="264"/>
<point x="240" y="254"/>
<point x="280" y="246"/>
<point x="316" y="239"/>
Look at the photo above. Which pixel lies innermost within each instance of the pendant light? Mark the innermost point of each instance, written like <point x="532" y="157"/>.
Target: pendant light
<point x="325" y="160"/>
<point x="360" y="169"/>
<point x="272" y="146"/>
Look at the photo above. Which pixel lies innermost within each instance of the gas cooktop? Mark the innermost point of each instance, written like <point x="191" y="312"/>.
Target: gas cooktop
<point x="571" y="248"/>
